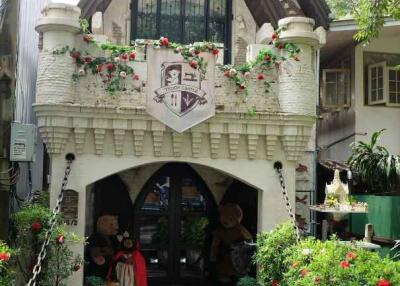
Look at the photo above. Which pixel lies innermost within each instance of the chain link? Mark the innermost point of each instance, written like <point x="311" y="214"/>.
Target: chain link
<point x="52" y="222"/>
<point x="278" y="169"/>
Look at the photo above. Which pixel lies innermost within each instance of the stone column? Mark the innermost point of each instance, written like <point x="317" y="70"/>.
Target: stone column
<point x="59" y="26"/>
<point x="298" y="89"/>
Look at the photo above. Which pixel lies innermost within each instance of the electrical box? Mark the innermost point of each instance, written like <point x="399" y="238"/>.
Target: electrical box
<point x="22" y="142"/>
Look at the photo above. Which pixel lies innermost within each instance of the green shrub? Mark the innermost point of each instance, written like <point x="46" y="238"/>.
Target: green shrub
<point x="270" y="253"/>
<point x="6" y="273"/>
<point x="248" y="281"/>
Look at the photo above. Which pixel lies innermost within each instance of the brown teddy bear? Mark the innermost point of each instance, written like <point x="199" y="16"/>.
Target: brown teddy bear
<point x="102" y="246"/>
<point x="225" y="236"/>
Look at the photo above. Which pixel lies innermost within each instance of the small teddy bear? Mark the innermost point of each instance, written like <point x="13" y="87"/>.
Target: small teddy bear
<point x="225" y="236"/>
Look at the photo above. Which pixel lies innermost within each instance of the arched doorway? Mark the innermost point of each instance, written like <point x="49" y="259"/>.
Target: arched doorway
<point x="173" y="216"/>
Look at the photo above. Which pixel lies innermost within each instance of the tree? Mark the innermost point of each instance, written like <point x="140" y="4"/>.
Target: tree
<point x="369" y="14"/>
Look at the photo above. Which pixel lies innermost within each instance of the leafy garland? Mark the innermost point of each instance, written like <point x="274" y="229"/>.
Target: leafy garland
<point x="115" y="68"/>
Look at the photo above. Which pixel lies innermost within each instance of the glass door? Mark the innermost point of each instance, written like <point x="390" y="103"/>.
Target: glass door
<point x="174" y="214"/>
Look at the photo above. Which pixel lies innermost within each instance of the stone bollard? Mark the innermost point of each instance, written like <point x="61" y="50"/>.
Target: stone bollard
<point x="59" y="26"/>
<point x="298" y="89"/>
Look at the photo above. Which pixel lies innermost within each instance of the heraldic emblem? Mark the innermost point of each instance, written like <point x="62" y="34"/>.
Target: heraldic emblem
<point x="180" y="89"/>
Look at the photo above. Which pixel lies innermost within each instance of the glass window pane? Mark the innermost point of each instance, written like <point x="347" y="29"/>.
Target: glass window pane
<point x="331" y="92"/>
<point x="380" y="82"/>
<point x="392" y="97"/>
<point x="373" y="95"/>
<point x="331" y="77"/>
<point x="216" y="21"/>
<point x="195" y="29"/>
<point x="373" y="72"/>
<point x="170" y="22"/>
<point x="146" y="19"/>
<point x="392" y="86"/>
<point x="380" y="94"/>
<point x="380" y="71"/>
<point x="373" y="84"/>
<point x="392" y="75"/>
<point x="157" y="200"/>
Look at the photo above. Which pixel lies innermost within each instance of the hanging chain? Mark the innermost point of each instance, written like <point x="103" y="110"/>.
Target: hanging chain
<point x="43" y="252"/>
<point x="278" y="169"/>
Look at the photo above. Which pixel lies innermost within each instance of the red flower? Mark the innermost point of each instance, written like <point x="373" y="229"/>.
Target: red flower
<point x="132" y="56"/>
<point x="267" y="58"/>
<point x="274" y="283"/>
<point x="135" y="77"/>
<point x="344" y="264"/>
<point x="110" y="66"/>
<point x="36" y="226"/>
<point x="60" y="239"/>
<point x="196" y="52"/>
<point x="242" y="86"/>
<point x="351" y="256"/>
<point x="280" y="46"/>
<point x="303" y="272"/>
<point x="260" y="76"/>
<point x="4" y="256"/>
<point x="274" y="36"/>
<point x="76" y="267"/>
<point x="227" y="73"/>
<point x="87" y="39"/>
<point x="317" y="280"/>
<point x="124" y="57"/>
<point x="99" y="68"/>
<point x="193" y="64"/>
<point x="87" y="59"/>
<point x="164" y="41"/>
<point x="75" y="54"/>
<point x="215" y="52"/>
<point x="383" y="282"/>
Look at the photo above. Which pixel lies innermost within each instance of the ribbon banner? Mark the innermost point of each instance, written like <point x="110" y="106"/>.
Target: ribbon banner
<point x="177" y="94"/>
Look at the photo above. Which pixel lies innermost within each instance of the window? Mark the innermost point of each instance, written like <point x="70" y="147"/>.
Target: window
<point x="394" y="86"/>
<point x="336" y="88"/>
<point x="376" y="83"/>
<point x="383" y="85"/>
<point x="183" y="21"/>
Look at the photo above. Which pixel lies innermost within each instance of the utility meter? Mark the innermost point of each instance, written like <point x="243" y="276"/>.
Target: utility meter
<point x="22" y="142"/>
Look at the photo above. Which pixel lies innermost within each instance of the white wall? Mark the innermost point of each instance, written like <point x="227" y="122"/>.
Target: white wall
<point x="373" y="118"/>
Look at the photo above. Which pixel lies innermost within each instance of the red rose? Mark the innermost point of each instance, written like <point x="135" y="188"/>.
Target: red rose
<point x="87" y="59"/>
<point x="124" y="57"/>
<point x="75" y="54"/>
<point x="132" y="56"/>
<point x="274" y="36"/>
<point x="274" y="283"/>
<point x="76" y="267"/>
<point x="4" y="256"/>
<point x="36" y="226"/>
<point x="351" y="256"/>
<point x="280" y="46"/>
<point x="99" y="68"/>
<point x="135" y="77"/>
<point x="344" y="264"/>
<point x="260" y="76"/>
<point x="60" y="239"/>
<point x="303" y="272"/>
<point x="215" y="52"/>
<point x="267" y="58"/>
<point x="193" y="64"/>
<point x="87" y="39"/>
<point x="164" y="41"/>
<point x="242" y="86"/>
<point x="110" y="66"/>
<point x="383" y="282"/>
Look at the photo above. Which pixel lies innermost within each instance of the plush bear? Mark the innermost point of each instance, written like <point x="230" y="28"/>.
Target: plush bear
<point x="102" y="246"/>
<point x="225" y="236"/>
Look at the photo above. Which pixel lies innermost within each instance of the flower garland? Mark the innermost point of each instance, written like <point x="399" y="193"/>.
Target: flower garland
<point x="115" y="68"/>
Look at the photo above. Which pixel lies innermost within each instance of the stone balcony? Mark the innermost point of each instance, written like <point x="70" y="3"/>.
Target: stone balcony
<point x="97" y="122"/>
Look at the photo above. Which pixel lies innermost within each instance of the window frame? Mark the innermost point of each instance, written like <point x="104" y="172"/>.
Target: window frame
<point x="228" y="20"/>
<point x="324" y="88"/>
<point x="384" y="100"/>
<point x="388" y="69"/>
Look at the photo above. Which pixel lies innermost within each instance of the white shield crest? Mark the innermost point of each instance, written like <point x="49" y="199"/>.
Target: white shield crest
<point x="177" y="94"/>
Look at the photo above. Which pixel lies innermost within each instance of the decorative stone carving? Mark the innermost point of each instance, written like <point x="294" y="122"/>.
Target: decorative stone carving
<point x="176" y="144"/>
<point x="80" y="135"/>
<point x="99" y="135"/>
<point x="196" y="144"/>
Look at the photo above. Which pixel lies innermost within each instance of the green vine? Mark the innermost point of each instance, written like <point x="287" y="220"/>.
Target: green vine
<point x="114" y="69"/>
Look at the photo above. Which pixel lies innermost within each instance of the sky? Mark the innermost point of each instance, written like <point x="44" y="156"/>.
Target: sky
<point x="73" y="2"/>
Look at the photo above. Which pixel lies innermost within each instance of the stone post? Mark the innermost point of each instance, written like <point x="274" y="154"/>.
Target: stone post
<point x="58" y="26"/>
<point x="298" y="89"/>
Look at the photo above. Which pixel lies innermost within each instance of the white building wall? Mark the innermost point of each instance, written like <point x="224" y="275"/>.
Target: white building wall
<point x="374" y="118"/>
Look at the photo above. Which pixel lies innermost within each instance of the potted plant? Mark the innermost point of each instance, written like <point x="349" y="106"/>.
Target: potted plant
<point x="160" y="238"/>
<point x="194" y="236"/>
